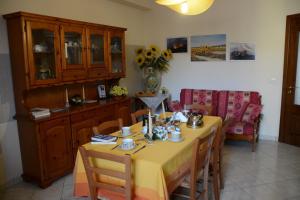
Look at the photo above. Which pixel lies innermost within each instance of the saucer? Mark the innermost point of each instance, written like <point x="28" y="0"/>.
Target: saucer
<point x="126" y="149"/>
<point x="176" y="140"/>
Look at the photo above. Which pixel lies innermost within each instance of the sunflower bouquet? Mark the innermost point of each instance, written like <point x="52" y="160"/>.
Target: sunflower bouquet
<point x="118" y="91"/>
<point x="153" y="57"/>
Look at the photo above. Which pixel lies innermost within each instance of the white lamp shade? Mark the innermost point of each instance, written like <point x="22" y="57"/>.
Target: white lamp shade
<point x="192" y="7"/>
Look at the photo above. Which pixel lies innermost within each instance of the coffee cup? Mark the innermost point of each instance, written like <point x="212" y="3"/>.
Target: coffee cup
<point x="176" y="135"/>
<point x="125" y="130"/>
<point x="127" y="143"/>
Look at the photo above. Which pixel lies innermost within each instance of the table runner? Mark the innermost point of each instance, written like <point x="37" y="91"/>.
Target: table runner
<point x="153" y="167"/>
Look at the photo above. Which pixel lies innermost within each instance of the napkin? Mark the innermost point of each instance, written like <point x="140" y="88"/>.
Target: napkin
<point x="179" y="116"/>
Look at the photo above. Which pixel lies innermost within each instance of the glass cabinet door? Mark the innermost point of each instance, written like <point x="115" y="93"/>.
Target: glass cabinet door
<point x="117" y="57"/>
<point x="97" y="45"/>
<point x="43" y="46"/>
<point x="73" y="47"/>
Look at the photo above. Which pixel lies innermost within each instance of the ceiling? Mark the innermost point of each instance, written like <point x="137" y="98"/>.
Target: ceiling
<point x="139" y="4"/>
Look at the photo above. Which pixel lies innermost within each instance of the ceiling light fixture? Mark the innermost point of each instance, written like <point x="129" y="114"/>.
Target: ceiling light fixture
<point x="187" y="7"/>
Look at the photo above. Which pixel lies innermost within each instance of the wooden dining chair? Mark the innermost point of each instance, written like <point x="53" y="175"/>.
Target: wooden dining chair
<point x="108" y="127"/>
<point x="199" y="165"/>
<point x="137" y="114"/>
<point x="225" y="126"/>
<point x="215" y="165"/>
<point x="93" y="173"/>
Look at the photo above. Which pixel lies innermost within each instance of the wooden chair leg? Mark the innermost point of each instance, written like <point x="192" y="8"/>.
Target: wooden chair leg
<point x="205" y="183"/>
<point x="216" y="184"/>
<point x="221" y="175"/>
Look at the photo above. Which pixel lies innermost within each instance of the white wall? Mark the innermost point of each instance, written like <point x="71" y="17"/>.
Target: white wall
<point x="255" y="21"/>
<point x="97" y="11"/>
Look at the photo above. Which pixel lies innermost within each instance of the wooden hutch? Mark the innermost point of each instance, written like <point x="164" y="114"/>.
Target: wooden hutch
<point x="48" y="55"/>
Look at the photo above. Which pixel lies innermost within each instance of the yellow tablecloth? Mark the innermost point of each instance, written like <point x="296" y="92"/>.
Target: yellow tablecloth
<point x="154" y="166"/>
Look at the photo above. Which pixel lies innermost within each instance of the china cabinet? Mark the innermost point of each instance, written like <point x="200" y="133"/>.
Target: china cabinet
<point x="50" y="56"/>
<point x="56" y="51"/>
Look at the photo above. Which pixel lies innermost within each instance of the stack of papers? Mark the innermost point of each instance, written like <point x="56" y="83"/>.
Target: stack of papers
<point x="103" y="139"/>
<point x="38" y="113"/>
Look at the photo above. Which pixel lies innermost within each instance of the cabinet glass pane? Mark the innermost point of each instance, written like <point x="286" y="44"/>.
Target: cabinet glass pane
<point x="97" y="49"/>
<point x="297" y="86"/>
<point x="73" y="48"/>
<point x="43" y="54"/>
<point x="116" y="54"/>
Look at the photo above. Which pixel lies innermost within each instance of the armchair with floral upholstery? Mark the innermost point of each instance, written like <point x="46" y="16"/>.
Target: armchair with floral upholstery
<point x="242" y="107"/>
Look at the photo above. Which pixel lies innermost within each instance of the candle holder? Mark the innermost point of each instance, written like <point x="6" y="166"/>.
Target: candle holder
<point x="83" y="95"/>
<point x="67" y="104"/>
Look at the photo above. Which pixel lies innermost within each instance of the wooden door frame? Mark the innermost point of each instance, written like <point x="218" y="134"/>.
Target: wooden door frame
<point x="287" y="60"/>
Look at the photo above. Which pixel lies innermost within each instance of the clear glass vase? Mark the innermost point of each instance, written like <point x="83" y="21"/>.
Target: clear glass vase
<point x="152" y="80"/>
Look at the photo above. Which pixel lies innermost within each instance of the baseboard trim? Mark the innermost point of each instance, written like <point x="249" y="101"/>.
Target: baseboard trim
<point x="11" y="183"/>
<point x="268" y="137"/>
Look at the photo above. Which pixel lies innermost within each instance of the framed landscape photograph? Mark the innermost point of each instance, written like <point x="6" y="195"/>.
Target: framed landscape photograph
<point x="242" y="51"/>
<point x="208" y="47"/>
<point x="177" y="45"/>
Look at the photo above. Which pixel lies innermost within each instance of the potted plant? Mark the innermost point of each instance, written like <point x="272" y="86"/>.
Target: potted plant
<point x="118" y="91"/>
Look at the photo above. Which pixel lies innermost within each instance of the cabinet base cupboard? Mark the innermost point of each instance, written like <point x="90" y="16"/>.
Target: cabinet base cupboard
<point x="49" y="146"/>
<point x="50" y="56"/>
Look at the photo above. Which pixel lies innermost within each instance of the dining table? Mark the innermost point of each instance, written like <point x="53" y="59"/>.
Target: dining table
<point x="155" y="165"/>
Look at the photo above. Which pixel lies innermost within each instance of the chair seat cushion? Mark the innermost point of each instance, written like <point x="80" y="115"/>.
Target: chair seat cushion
<point x="241" y="128"/>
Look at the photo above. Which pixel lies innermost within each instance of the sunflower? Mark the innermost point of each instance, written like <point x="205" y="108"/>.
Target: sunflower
<point x="140" y="59"/>
<point x="154" y="49"/>
<point x="166" y="55"/>
<point x="149" y="54"/>
<point x="139" y="51"/>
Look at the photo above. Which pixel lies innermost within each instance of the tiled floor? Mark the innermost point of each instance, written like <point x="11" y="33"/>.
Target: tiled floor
<point x="272" y="173"/>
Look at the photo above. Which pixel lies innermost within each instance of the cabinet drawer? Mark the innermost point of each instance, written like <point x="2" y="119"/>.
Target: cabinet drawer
<point x="73" y="75"/>
<point x="82" y="116"/>
<point x="97" y="73"/>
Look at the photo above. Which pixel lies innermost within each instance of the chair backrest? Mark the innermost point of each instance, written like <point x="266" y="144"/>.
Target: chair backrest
<point x="93" y="173"/>
<point x="202" y="97"/>
<point x="200" y="160"/>
<point x="233" y="103"/>
<point x="137" y="114"/>
<point x="108" y="127"/>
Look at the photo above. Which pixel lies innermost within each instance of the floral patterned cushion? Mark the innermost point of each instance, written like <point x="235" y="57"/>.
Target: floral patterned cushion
<point x="240" y="128"/>
<point x="251" y="113"/>
<point x="174" y="106"/>
<point x="232" y="103"/>
<point x="202" y="97"/>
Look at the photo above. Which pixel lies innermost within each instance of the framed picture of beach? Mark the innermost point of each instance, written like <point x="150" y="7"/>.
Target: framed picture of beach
<point x="242" y="51"/>
<point x="208" y="47"/>
<point x="177" y="45"/>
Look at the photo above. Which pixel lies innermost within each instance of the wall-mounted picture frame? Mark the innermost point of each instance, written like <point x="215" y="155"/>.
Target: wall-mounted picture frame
<point x="101" y="91"/>
<point x="177" y="45"/>
<point x="242" y="51"/>
<point x="208" y="47"/>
